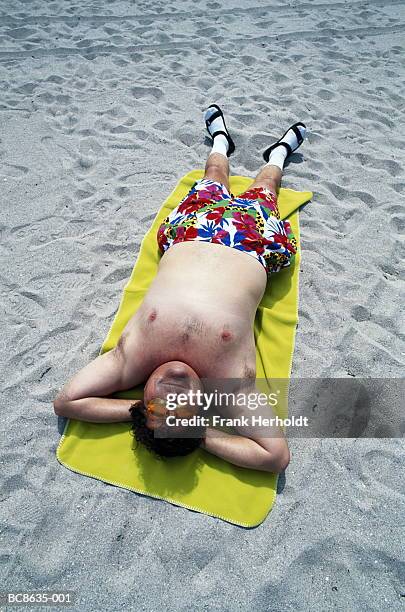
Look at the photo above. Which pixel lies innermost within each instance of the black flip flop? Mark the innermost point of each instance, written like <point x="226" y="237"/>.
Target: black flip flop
<point x="208" y="122"/>
<point x="298" y="134"/>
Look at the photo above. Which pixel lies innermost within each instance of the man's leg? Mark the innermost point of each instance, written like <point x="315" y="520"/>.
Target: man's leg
<point x="217" y="168"/>
<point x="270" y="177"/>
<point x="271" y="173"/>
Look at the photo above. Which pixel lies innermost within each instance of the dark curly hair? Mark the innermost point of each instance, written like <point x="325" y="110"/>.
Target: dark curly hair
<point x="163" y="447"/>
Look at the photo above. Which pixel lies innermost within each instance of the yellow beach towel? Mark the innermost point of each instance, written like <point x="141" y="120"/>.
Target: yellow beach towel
<point x="199" y="481"/>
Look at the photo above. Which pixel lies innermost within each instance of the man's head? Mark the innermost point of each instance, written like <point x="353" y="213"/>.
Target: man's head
<point x="149" y="420"/>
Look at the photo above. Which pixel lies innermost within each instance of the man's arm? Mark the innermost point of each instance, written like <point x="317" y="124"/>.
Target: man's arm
<point x="84" y="397"/>
<point x="257" y="447"/>
<point x="271" y="455"/>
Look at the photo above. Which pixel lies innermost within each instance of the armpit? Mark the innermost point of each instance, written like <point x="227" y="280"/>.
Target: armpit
<point x="121" y="344"/>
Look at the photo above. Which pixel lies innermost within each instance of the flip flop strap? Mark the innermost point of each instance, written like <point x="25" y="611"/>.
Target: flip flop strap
<point x="298" y="134"/>
<point x="213" y="117"/>
<point x="220" y="132"/>
<point x="284" y="144"/>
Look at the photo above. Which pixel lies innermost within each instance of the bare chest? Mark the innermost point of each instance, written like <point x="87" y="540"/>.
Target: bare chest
<point x="214" y="346"/>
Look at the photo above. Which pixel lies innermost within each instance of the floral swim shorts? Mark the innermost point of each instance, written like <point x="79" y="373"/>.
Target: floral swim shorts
<point x="250" y="223"/>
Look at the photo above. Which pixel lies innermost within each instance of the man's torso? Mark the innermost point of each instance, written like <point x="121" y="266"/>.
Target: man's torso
<point x="199" y="309"/>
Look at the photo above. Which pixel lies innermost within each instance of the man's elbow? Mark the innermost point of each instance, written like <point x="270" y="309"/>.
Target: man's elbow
<point x="277" y="460"/>
<point x="59" y="406"/>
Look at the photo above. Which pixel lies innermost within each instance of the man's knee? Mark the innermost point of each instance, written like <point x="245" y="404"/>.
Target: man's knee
<point x="215" y="166"/>
<point x="270" y="183"/>
<point x="216" y="173"/>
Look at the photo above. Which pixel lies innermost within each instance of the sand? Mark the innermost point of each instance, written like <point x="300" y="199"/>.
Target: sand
<point x="101" y="111"/>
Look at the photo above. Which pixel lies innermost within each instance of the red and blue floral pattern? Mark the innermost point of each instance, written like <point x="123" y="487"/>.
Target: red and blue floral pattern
<point x="250" y="223"/>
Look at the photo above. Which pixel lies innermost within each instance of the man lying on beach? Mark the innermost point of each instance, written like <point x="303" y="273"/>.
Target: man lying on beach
<point x="196" y="320"/>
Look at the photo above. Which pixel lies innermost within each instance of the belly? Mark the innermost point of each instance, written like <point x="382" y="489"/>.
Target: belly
<point x="212" y="275"/>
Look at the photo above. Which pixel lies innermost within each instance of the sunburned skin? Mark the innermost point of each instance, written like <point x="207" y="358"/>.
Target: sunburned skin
<point x="199" y="310"/>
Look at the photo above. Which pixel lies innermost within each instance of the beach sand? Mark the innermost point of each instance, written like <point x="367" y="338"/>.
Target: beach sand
<point x="101" y="111"/>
